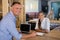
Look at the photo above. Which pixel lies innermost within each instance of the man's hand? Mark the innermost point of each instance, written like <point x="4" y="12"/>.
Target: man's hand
<point x="33" y="34"/>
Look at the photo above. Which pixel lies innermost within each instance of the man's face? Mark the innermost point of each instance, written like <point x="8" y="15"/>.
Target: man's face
<point x="16" y="9"/>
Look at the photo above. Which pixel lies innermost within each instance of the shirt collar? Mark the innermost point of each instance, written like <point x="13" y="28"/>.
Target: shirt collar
<point x="12" y="15"/>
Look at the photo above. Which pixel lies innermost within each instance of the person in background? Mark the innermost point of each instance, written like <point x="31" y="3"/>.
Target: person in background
<point x="42" y="23"/>
<point x="8" y="24"/>
<point x="51" y="15"/>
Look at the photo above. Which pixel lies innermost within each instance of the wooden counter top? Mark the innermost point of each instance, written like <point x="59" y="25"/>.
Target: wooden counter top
<point x="53" y="35"/>
<point x="55" y="21"/>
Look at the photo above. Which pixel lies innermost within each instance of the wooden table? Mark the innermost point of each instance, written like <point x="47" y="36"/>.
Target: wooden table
<point x="53" y="35"/>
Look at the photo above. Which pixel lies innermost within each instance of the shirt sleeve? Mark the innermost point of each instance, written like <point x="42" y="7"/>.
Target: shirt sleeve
<point x="47" y="24"/>
<point x="36" y="27"/>
<point x="13" y="31"/>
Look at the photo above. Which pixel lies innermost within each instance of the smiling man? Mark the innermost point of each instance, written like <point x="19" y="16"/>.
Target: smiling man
<point x="8" y="24"/>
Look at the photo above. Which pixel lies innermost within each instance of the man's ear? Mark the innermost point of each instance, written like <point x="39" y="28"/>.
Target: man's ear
<point x="11" y="8"/>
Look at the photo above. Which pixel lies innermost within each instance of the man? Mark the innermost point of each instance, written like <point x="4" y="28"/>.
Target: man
<point x="8" y="24"/>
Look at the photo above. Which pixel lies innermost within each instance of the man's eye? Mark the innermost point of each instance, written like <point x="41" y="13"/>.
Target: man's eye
<point x="17" y="8"/>
<point x="20" y="8"/>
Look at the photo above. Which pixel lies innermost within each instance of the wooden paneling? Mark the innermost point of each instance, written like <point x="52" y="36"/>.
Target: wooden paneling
<point x="4" y="7"/>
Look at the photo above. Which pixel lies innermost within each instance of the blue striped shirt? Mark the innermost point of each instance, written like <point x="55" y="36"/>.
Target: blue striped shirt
<point x="8" y="28"/>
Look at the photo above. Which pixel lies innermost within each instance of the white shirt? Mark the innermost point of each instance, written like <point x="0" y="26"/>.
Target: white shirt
<point x="45" y="24"/>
